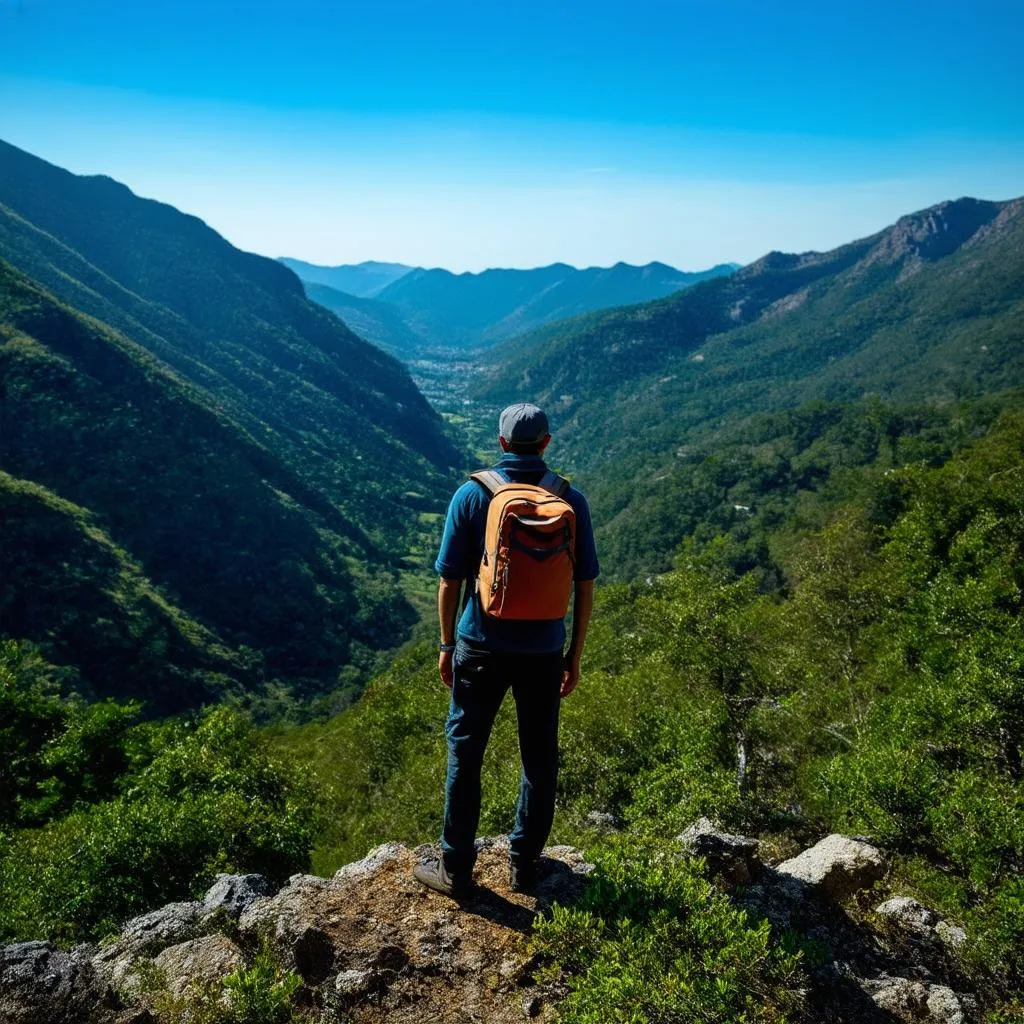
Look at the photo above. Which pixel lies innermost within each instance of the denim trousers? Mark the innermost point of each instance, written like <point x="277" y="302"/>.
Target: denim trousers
<point x="481" y="680"/>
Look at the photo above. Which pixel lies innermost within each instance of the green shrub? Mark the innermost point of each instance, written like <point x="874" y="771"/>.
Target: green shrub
<point x="212" y="800"/>
<point x="654" y="942"/>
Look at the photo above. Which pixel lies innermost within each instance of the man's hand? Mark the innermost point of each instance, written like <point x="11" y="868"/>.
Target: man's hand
<point x="444" y="666"/>
<point x="570" y="674"/>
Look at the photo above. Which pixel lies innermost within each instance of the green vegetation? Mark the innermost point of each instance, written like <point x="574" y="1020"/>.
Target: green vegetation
<point x="654" y="940"/>
<point x="260" y="993"/>
<point x="106" y="818"/>
<point x="877" y="692"/>
<point x="226" y="464"/>
<point x="920" y="316"/>
<point x="178" y="519"/>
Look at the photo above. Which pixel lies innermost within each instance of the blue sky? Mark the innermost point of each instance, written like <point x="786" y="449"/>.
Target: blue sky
<point x="482" y="134"/>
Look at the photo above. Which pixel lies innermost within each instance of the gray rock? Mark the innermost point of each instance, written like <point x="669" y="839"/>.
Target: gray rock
<point x="906" y="1000"/>
<point x="909" y="917"/>
<point x="570" y="857"/>
<point x="171" y="924"/>
<point x="40" y="984"/>
<point x="371" y="863"/>
<point x="290" y="909"/>
<point x="198" y="962"/>
<point x="235" y="893"/>
<point x="946" y="1007"/>
<point x="952" y="936"/>
<point x="837" y="865"/>
<point x="532" y="1005"/>
<point x="912" y="1001"/>
<point x="735" y="858"/>
<point x="353" y="984"/>
<point x="602" y="819"/>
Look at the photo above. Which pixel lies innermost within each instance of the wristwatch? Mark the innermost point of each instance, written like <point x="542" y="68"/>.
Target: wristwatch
<point x="447" y="648"/>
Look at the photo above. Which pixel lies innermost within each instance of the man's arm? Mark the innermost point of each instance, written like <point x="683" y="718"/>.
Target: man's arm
<point x="447" y="607"/>
<point x="582" y="606"/>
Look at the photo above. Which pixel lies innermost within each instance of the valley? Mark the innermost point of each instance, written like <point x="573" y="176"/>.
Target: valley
<point x="222" y="483"/>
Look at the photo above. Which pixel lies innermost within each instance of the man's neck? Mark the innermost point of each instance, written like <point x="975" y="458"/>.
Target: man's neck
<point x="520" y="460"/>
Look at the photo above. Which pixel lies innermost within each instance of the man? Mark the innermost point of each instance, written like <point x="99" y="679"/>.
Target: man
<point x="486" y="656"/>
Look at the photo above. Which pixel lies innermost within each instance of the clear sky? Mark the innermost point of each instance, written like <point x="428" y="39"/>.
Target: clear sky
<point x="475" y="134"/>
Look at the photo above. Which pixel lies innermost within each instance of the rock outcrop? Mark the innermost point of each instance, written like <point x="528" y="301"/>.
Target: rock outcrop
<point x="735" y="858"/>
<point x="40" y="984"/>
<point x="837" y="866"/>
<point x="371" y="946"/>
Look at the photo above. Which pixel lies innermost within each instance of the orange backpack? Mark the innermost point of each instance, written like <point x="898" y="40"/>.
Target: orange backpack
<point x="529" y="548"/>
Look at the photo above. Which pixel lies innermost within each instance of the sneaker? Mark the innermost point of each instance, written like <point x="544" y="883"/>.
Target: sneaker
<point x="434" y="875"/>
<point x="523" y="876"/>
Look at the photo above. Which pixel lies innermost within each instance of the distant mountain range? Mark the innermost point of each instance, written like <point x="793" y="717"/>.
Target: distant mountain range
<point x="178" y="411"/>
<point x="929" y="310"/>
<point x="363" y="280"/>
<point x="209" y="484"/>
<point x="430" y="309"/>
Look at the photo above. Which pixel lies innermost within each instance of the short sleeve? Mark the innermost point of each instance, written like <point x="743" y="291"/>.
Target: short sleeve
<point x="455" y="558"/>
<point x="587" y="567"/>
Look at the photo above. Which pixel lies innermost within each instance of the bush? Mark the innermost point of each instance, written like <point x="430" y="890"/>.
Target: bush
<point x="212" y="800"/>
<point x="654" y="942"/>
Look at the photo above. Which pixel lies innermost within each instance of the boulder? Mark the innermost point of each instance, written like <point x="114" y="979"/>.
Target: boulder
<point x="838" y="866"/>
<point x="372" y="863"/>
<point x="904" y="999"/>
<point x="198" y="962"/>
<point x="353" y="984"/>
<point x="952" y="936"/>
<point x="948" y="1007"/>
<point x="908" y="917"/>
<point x="735" y="858"/>
<point x="171" y="924"/>
<point x="235" y="893"/>
<point x="912" y="1001"/>
<point x="41" y="984"/>
<point x="293" y="920"/>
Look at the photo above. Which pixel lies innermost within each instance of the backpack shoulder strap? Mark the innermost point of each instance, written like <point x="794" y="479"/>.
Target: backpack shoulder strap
<point x="554" y="483"/>
<point x="490" y="480"/>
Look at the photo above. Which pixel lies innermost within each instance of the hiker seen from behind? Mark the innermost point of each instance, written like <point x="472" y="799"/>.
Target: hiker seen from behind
<point x="521" y="539"/>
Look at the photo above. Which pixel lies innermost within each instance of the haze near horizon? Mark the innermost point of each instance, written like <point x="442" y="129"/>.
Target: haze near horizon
<point x="465" y="137"/>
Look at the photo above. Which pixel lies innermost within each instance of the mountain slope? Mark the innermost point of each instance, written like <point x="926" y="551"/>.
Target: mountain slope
<point x="66" y="585"/>
<point x="928" y="310"/>
<point x="480" y="309"/>
<point x="363" y="280"/>
<point x="213" y="520"/>
<point x="343" y="414"/>
<point x="377" y="322"/>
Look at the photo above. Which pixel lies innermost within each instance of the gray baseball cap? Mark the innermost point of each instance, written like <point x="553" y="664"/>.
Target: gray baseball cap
<point x="523" y="423"/>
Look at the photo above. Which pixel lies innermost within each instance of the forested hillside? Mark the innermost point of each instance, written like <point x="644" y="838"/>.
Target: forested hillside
<point x="375" y="321"/>
<point x="213" y="483"/>
<point x="339" y="412"/>
<point x="925" y="312"/>
<point x="479" y="309"/>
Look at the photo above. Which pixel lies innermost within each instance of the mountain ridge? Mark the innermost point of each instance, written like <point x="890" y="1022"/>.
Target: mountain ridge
<point x="246" y="456"/>
<point x="927" y="310"/>
<point x="363" y="280"/>
<point x="473" y="309"/>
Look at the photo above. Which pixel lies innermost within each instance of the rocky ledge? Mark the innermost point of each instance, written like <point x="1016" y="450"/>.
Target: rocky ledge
<point x="370" y="945"/>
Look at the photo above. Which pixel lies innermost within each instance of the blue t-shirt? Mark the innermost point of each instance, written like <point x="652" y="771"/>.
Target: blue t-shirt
<point x="462" y="547"/>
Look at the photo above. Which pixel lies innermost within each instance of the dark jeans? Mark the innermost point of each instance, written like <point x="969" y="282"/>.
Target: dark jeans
<point x="481" y="680"/>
